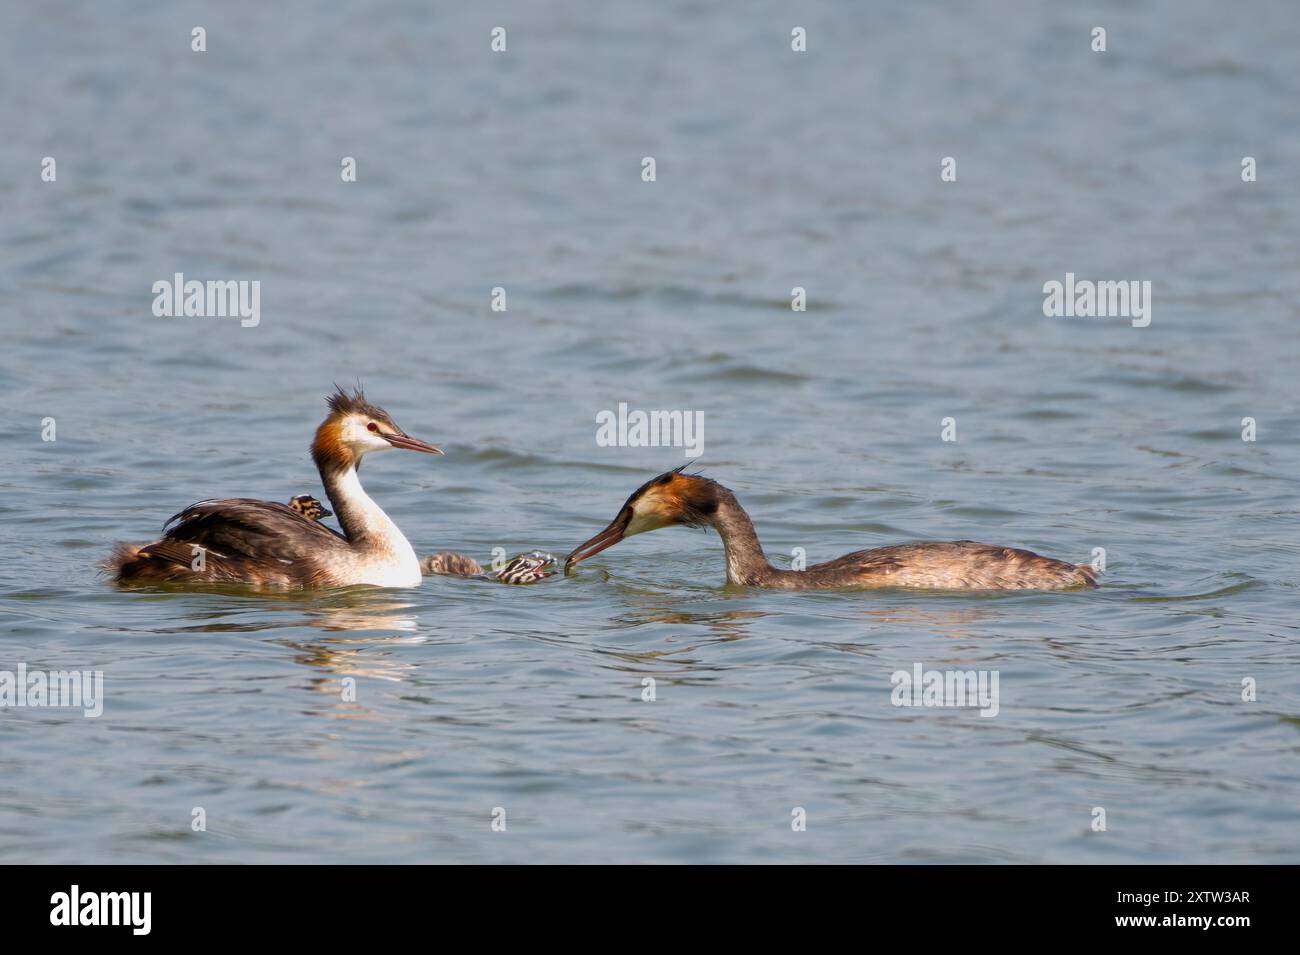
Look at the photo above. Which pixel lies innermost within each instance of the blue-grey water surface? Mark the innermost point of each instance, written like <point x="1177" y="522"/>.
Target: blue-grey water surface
<point x="775" y="169"/>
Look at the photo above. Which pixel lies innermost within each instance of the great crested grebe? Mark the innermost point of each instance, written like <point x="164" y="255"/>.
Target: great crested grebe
<point x="676" y="498"/>
<point x="271" y="545"/>
<point x="520" y="569"/>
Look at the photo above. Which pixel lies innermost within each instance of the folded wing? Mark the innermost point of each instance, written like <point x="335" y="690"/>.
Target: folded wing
<point x="234" y="540"/>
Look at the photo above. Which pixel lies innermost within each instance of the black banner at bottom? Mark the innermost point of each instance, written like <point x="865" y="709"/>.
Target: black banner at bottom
<point x="334" y="904"/>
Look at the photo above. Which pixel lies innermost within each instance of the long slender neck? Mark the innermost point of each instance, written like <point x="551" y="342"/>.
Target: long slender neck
<point x="364" y="522"/>
<point x="747" y="565"/>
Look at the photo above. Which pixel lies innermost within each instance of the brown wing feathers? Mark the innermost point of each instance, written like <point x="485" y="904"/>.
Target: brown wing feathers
<point x="235" y="540"/>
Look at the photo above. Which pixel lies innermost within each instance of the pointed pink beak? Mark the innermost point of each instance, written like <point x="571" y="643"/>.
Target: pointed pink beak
<point x="400" y="440"/>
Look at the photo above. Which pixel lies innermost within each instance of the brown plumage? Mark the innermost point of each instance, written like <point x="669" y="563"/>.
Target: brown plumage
<point x="271" y="545"/>
<point x="229" y="542"/>
<point x="695" y="501"/>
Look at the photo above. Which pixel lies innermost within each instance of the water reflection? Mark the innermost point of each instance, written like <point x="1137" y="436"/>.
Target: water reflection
<point x="375" y="614"/>
<point x="338" y="657"/>
<point x="947" y="621"/>
<point x="379" y="622"/>
<point x="383" y="617"/>
<point x="682" y="664"/>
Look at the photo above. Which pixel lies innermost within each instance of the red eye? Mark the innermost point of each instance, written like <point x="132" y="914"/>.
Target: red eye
<point x="372" y="427"/>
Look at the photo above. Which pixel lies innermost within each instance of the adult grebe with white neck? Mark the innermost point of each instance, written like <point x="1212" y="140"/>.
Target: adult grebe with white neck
<point x="272" y="545"/>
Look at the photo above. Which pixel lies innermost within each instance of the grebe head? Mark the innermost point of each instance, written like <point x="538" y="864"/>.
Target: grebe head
<point x="309" y="507"/>
<point x="354" y="428"/>
<point x="671" y="498"/>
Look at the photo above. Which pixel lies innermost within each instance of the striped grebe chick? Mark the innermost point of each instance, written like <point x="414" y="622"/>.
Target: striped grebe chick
<point x="520" y="569"/>
<point x="309" y="507"/>
<point x="271" y="545"/>
<point x="695" y="501"/>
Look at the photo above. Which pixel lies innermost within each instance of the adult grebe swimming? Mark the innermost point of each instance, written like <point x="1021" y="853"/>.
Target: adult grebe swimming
<point x="676" y="498"/>
<point x="271" y="545"/>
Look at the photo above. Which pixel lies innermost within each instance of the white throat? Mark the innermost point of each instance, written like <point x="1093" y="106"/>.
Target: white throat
<point x="384" y="557"/>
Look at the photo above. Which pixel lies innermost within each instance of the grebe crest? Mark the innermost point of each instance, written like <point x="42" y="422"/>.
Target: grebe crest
<point x="355" y="428"/>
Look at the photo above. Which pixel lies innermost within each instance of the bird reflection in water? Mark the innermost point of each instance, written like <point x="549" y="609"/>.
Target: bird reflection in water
<point x="378" y="625"/>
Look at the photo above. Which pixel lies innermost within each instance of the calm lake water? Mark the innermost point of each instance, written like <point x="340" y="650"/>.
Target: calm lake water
<point x="774" y="169"/>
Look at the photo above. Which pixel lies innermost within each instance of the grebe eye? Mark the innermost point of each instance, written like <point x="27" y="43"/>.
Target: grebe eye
<point x="372" y="427"/>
